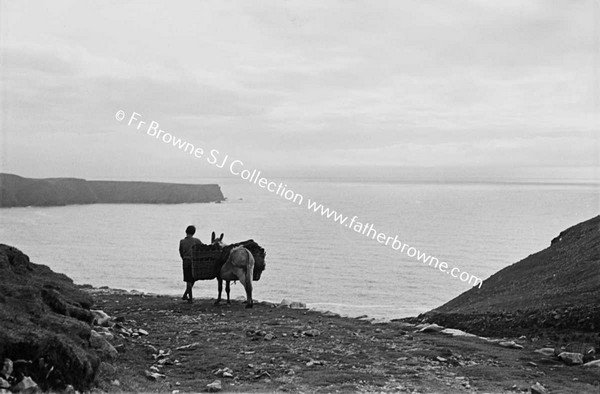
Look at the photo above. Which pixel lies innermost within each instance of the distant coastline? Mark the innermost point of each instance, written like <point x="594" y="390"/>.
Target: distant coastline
<point x="17" y="191"/>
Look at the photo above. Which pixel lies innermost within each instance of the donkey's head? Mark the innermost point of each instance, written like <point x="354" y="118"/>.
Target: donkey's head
<point x="217" y="241"/>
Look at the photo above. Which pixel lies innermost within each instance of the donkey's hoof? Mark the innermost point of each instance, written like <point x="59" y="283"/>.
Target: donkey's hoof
<point x="248" y="306"/>
<point x="217" y="302"/>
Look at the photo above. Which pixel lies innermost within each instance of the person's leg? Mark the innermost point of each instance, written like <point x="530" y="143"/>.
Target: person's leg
<point x="187" y="285"/>
<point x="190" y="285"/>
<point x="187" y="278"/>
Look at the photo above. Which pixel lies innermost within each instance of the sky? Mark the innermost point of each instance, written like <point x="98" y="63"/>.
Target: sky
<point x="301" y="88"/>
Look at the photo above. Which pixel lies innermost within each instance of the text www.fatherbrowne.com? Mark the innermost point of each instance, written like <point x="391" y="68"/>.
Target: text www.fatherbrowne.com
<point x="236" y="168"/>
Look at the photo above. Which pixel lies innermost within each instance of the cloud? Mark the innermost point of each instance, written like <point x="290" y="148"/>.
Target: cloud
<point x="299" y="84"/>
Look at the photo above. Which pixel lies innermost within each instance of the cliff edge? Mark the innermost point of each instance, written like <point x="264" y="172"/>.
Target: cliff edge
<point x="557" y="288"/>
<point x="46" y="325"/>
<point x="16" y="191"/>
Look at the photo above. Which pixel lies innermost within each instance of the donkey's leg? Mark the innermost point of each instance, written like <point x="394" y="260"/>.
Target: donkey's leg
<point x="228" y="290"/>
<point x="220" y="282"/>
<point x="249" y="276"/>
<point x="250" y="301"/>
<point x="246" y="281"/>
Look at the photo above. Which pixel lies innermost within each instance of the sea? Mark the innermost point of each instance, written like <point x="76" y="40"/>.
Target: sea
<point x="478" y="227"/>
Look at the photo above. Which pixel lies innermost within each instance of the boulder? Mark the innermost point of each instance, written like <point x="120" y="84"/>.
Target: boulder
<point x="104" y="348"/>
<point x="154" y="375"/>
<point x="284" y="302"/>
<point x="510" y="345"/>
<point x="269" y="337"/>
<point x="224" y="372"/>
<point x="547" y="351"/>
<point x="7" y="367"/>
<point x="537" y="388"/>
<point x="587" y="349"/>
<point x="106" y="335"/>
<point x="456" y="333"/>
<point x="214" y="386"/>
<point x="431" y="328"/>
<point x="571" y="358"/>
<point x="70" y="390"/>
<point x="312" y="333"/>
<point x="26" y="386"/>
<point x="100" y="318"/>
<point x="595" y="363"/>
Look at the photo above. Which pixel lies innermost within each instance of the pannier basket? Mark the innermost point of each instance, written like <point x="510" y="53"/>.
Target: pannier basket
<point x="204" y="261"/>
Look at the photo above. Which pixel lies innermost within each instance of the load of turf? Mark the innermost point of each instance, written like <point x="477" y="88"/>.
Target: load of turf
<point x="258" y="252"/>
<point x="45" y="324"/>
<point x="555" y="290"/>
<point x="207" y="260"/>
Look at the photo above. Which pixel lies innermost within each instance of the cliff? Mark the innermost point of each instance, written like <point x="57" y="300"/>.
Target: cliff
<point x="45" y="324"/>
<point x="557" y="289"/>
<point x="16" y="191"/>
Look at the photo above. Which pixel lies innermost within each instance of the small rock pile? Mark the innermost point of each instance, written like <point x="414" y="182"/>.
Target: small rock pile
<point x="12" y="381"/>
<point x="14" y="378"/>
<point x="572" y="354"/>
<point x="109" y="328"/>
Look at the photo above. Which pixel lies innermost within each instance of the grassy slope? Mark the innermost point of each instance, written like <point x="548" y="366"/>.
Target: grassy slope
<point x="558" y="287"/>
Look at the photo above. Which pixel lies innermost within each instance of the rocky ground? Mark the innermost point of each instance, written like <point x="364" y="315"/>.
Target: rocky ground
<point x="167" y="345"/>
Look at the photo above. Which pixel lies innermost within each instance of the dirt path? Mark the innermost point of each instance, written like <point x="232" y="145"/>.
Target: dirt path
<point x="278" y="349"/>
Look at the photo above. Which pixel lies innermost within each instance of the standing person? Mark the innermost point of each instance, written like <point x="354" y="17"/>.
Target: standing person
<point x="185" y="251"/>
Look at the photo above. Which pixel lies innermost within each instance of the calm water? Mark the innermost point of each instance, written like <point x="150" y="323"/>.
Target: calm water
<point x="479" y="228"/>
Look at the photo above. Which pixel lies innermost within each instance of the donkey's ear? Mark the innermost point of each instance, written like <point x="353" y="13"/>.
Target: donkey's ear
<point x="221" y="238"/>
<point x="212" y="237"/>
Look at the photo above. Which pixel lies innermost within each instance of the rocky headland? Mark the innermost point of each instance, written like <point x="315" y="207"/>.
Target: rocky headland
<point x="16" y="191"/>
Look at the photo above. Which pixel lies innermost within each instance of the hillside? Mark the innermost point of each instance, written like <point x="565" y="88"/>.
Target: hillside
<point x="45" y="323"/>
<point x="557" y="288"/>
<point x="16" y="191"/>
